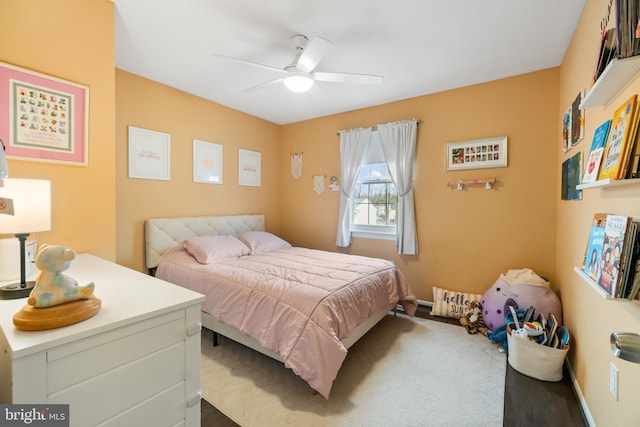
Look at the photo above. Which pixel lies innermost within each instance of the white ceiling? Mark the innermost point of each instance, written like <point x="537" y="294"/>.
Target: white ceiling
<point x="419" y="46"/>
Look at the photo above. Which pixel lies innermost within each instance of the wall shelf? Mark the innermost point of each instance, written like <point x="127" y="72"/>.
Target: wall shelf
<point x="617" y="73"/>
<point x="608" y="183"/>
<point x="597" y="288"/>
<point x="459" y="185"/>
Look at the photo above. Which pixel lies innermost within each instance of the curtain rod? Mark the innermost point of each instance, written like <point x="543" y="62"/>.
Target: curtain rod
<point x="418" y="121"/>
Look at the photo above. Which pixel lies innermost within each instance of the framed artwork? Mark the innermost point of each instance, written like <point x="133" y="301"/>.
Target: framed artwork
<point x="43" y="118"/>
<point x="248" y="168"/>
<point x="149" y="154"/>
<point x="477" y="154"/>
<point x="577" y="119"/>
<point x="566" y="131"/>
<point x="207" y="162"/>
<point x="571" y="175"/>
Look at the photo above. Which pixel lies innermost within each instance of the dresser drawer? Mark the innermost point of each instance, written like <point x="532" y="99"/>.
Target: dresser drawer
<point x="102" y="397"/>
<point x="164" y="409"/>
<point x="102" y="353"/>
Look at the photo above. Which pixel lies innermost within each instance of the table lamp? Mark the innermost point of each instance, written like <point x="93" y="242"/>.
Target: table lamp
<point x="25" y="207"/>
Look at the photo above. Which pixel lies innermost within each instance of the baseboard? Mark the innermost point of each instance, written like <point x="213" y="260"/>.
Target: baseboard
<point x="581" y="400"/>
<point x="425" y="303"/>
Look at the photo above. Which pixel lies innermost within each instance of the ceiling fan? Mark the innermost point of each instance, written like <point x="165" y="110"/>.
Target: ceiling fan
<point x="299" y="76"/>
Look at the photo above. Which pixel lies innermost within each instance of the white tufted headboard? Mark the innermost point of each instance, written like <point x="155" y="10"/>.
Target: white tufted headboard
<point x="162" y="235"/>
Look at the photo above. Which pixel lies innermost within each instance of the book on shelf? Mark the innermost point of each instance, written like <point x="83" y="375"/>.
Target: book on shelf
<point x="618" y="39"/>
<point x="593" y="166"/>
<point x="600" y="135"/>
<point x="593" y="252"/>
<point x="622" y="132"/>
<point x="627" y="15"/>
<point x="635" y="282"/>
<point x="632" y="167"/>
<point x="606" y="53"/>
<point x="595" y="152"/>
<point x="615" y="232"/>
<point x="629" y="259"/>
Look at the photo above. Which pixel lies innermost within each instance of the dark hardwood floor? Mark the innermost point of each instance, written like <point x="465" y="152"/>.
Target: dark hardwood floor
<point x="527" y="401"/>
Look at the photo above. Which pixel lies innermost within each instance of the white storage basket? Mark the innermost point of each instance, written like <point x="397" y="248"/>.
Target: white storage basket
<point x="536" y="360"/>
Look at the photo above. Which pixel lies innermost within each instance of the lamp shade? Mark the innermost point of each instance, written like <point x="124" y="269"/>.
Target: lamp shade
<point x="25" y="205"/>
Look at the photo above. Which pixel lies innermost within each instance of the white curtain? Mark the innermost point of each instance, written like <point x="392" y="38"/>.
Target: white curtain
<point x="353" y="147"/>
<point x="398" y="141"/>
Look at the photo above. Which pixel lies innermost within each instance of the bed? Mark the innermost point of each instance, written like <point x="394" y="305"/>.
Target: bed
<point x="303" y="307"/>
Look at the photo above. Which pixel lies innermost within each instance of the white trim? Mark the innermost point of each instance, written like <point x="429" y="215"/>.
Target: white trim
<point x="373" y="235"/>
<point x="583" y="403"/>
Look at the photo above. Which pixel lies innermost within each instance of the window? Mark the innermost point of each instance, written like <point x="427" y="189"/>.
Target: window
<point x="375" y="199"/>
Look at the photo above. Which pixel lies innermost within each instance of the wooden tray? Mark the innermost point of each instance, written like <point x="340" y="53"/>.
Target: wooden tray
<point x="31" y="318"/>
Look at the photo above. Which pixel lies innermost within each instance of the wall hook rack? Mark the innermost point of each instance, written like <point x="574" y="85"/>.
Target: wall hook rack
<point x="459" y="185"/>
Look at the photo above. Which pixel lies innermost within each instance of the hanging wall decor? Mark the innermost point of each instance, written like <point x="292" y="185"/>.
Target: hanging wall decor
<point x="207" y="162"/>
<point x="477" y="154"/>
<point x="46" y="118"/>
<point x="318" y="184"/>
<point x="249" y="168"/>
<point x="149" y="154"/>
<point x="296" y="165"/>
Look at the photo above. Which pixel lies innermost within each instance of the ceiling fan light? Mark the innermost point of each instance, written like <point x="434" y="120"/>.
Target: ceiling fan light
<point x="298" y="82"/>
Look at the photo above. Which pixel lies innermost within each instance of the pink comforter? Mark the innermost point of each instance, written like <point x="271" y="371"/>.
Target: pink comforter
<point x="296" y="302"/>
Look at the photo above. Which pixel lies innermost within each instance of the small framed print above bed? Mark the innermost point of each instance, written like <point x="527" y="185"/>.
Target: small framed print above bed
<point x="149" y="154"/>
<point x="249" y="168"/>
<point x="207" y="162"/>
<point x="477" y="154"/>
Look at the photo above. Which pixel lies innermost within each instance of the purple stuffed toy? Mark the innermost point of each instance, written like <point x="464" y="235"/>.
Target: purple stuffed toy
<point x="521" y="289"/>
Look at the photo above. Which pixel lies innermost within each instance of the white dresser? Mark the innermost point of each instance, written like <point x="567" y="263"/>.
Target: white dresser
<point x="135" y="363"/>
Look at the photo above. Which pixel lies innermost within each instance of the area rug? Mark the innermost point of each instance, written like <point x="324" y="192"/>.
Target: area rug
<point x="404" y="372"/>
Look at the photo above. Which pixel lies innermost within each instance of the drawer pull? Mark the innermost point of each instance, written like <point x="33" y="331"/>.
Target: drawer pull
<point x="194" y="400"/>
<point x="194" y="330"/>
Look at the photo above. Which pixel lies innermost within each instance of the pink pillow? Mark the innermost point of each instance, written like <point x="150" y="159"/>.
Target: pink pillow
<point x="207" y="249"/>
<point x="260" y="241"/>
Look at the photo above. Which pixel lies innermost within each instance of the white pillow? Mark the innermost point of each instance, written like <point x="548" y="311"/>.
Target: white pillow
<point x="452" y="304"/>
<point x="208" y="249"/>
<point x="260" y="242"/>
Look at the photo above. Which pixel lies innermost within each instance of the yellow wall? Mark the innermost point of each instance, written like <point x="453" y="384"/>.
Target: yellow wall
<point x="467" y="238"/>
<point x="589" y="317"/>
<point x="145" y="104"/>
<point x="74" y="41"/>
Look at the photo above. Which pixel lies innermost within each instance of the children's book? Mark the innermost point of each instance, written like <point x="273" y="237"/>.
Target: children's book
<point x="595" y="153"/>
<point x="600" y="136"/>
<point x="552" y="326"/>
<point x="563" y="335"/>
<point x="622" y="132"/>
<point x="613" y="247"/>
<point x="593" y="253"/>
<point x="629" y="263"/>
<point x="593" y="166"/>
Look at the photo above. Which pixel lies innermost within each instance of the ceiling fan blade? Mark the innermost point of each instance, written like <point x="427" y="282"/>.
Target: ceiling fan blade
<point x="263" y="85"/>
<point x="250" y="63"/>
<point x="347" y="78"/>
<point x="312" y="54"/>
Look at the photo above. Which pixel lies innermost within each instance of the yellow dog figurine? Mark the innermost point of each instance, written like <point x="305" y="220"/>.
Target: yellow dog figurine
<point x="52" y="286"/>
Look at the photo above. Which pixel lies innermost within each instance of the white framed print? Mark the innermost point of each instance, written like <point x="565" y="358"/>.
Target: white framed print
<point x="207" y="162"/>
<point x="477" y="154"/>
<point x="149" y="154"/>
<point x="248" y="168"/>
